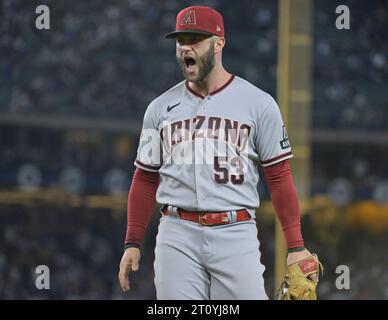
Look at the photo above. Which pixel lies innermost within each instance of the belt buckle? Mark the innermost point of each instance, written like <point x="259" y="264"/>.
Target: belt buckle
<point x="201" y="214"/>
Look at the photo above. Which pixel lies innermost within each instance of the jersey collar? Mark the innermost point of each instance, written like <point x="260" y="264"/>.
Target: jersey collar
<point x="213" y="92"/>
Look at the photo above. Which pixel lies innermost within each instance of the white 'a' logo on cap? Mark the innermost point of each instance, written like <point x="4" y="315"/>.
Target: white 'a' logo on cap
<point x="218" y="28"/>
<point x="188" y="18"/>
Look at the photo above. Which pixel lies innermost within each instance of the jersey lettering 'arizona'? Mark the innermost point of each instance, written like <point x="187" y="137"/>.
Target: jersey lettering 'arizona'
<point x="207" y="149"/>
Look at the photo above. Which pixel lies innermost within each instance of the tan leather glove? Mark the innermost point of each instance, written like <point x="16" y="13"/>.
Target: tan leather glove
<point x="301" y="280"/>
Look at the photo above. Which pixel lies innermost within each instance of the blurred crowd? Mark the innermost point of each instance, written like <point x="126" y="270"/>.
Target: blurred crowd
<point x="351" y="66"/>
<point x="81" y="247"/>
<point x="111" y="60"/>
<point x="79" y="161"/>
<point x="359" y="251"/>
<point x="350" y="172"/>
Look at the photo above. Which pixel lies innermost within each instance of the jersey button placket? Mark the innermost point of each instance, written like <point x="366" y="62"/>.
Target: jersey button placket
<point x="200" y="159"/>
<point x="198" y="156"/>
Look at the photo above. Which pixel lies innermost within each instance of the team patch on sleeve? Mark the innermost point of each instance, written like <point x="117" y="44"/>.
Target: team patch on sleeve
<point x="285" y="142"/>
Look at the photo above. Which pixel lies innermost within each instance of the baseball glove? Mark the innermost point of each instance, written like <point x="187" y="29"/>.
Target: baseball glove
<point x="298" y="283"/>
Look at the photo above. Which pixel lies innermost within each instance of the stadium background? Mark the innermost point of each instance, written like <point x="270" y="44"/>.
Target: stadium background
<point x="71" y="105"/>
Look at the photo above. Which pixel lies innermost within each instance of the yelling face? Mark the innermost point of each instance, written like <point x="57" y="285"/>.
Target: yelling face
<point x="195" y="55"/>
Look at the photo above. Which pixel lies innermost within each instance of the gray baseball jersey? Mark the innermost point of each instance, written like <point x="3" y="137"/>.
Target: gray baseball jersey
<point x="207" y="149"/>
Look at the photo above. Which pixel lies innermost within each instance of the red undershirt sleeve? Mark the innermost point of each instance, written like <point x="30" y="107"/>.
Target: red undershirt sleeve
<point x="141" y="205"/>
<point x="285" y="201"/>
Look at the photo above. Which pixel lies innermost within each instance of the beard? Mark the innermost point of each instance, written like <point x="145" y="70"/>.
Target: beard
<point x="204" y="65"/>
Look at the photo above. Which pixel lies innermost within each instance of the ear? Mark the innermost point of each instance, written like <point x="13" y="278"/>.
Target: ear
<point x="219" y="44"/>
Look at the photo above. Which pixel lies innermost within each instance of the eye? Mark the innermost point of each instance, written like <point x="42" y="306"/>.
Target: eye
<point x="181" y="42"/>
<point x="197" y="39"/>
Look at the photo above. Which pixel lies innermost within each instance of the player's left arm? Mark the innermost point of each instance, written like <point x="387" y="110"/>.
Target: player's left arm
<point x="274" y="149"/>
<point x="285" y="201"/>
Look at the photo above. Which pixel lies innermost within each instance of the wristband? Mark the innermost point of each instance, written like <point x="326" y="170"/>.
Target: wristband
<point x="298" y="249"/>
<point x="131" y="245"/>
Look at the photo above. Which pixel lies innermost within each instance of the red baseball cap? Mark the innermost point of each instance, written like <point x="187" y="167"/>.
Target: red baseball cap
<point x="200" y="20"/>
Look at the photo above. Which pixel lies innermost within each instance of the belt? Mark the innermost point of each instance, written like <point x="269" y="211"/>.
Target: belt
<point x="209" y="218"/>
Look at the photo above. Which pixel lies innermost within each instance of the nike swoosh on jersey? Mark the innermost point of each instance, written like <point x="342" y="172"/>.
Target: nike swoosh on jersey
<point x="169" y="108"/>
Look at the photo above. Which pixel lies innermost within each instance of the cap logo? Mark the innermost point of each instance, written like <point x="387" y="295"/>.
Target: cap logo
<point x="188" y="18"/>
<point x="218" y="29"/>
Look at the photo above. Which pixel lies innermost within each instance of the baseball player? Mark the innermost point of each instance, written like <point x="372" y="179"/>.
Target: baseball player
<point x="200" y="147"/>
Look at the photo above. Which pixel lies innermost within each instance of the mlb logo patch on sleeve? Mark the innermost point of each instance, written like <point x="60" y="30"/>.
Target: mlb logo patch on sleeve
<point x="285" y="143"/>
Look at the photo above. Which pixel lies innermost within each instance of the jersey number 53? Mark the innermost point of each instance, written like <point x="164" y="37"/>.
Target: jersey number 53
<point x="221" y="168"/>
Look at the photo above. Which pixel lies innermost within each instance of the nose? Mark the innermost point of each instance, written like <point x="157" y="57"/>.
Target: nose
<point x="184" y="47"/>
<point x="185" y="50"/>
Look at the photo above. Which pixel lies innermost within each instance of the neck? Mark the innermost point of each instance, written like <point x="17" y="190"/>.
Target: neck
<point x="215" y="79"/>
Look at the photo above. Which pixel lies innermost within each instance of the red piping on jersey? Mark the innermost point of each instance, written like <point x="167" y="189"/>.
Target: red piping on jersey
<point x="147" y="166"/>
<point x="213" y="92"/>
<point x="192" y="91"/>
<point x="276" y="158"/>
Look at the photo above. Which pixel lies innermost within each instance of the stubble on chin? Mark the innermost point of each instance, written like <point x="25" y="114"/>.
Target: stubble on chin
<point x="204" y="65"/>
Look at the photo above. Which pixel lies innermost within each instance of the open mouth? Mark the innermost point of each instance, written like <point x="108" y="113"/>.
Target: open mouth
<point x="190" y="64"/>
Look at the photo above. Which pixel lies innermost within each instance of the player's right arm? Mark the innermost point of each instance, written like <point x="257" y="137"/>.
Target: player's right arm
<point x="142" y="194"/>
<point x="141" y="205"/>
